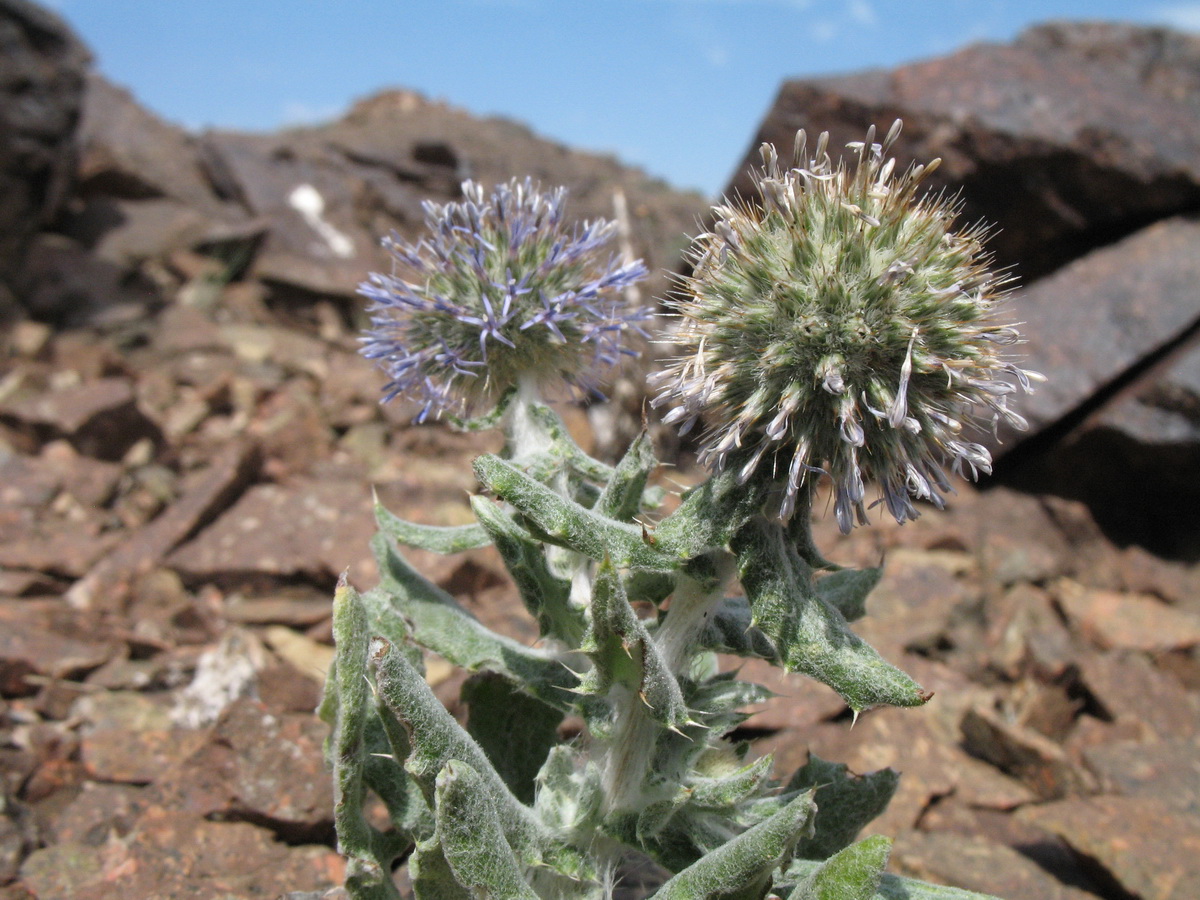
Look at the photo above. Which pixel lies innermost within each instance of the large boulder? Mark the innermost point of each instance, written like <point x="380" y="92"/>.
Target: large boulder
<point x="1070" y="137"/>
<point x="42" y="67"/>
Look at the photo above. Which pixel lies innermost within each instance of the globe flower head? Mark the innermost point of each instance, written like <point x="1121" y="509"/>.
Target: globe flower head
<point x="500" y="289"/>
<point x="840" y="326"/>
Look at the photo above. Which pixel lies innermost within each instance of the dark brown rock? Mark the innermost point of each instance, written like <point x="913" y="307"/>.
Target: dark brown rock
<point x="1036" y="135"/>
<point x="1143" y="846"/>
<point x="41" y="85"/>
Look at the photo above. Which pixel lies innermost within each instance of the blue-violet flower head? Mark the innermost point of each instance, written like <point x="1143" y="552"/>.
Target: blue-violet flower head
<point x="839" y="325"/>
<point x="499" y="289"/>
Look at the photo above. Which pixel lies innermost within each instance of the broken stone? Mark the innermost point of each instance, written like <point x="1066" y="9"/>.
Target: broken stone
<point x="1023" y="753"/>
<point x="28" y="651"/>
<point x="1147" y="848"/>
<point x="100" y="418"/>
<point x="1127" y="621"/>
<point x="1128" y="688"/>
<point x="204" y="496"/>
<point x="1167" y="771"/>
<point x="977" y="864"/>
<point x="311" y="529"/>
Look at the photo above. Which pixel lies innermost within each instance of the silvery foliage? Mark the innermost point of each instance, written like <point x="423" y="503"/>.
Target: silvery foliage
<point x="633" y="607"/>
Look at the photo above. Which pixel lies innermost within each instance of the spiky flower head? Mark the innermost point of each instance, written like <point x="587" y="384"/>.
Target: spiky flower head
<point x="500" y="289"/>
<point x="840" y="326"/>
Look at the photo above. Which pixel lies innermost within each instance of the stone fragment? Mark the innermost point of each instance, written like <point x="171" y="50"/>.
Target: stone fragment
<point x="977" y="864"/>
<point x="309" y="529"/>
<point x="1113" y="620"/>
<point x="100" y="418"/>
<point x="204" y="496"/>
<point x="99" y="811"/>
<point x="27" y="651"/>
<point x="260" y="766"/>
<point x="1028" y="756"/>
<point x="1147" y="848"/>
<point x="1128" y="688"/>
<point x="1026" y="635"/>
<point x="1167" y="771"/>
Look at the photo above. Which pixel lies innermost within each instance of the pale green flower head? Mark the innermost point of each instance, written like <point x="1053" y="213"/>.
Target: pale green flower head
<point x="840" y="325"/>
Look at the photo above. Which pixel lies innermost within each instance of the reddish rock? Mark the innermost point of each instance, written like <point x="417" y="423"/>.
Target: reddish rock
<point x="1127" y="688"/>
<point x="1036" y="135"/>
<point x="100" y="418"/>
<point x="977" y="864"/>
<point x="313" y="529"/>
<point x="27" y="650"/>
<point x="258" y="765"/>
<point x="1127" y="621"/>
<point x="1147" y="848"/>
<point x="1023" y="753"/>
<point x="1167" y="771"/>
<point x="204" y="496"/>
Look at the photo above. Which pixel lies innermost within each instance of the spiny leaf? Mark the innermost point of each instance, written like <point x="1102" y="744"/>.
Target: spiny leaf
<point x="846" y="590"/>
<point x="514" y="729"/>
<point x="810" y="635"/>
<point x="436" y="621"/>
<point x="560" y="521"/>
<point x="852" y="874"/>
<point x="367" y="876"/>
<point x="846" y="803"/>
<point x="891" y="887"/>
<point x="621" y="498"/>
<point x="436" y="739"/>
<point x="472" y="836"/>
<point x="742" y="868"/>
<point x="623" y="652"/>
<point x="709" y="516"/>
<point x="437" y="538"/>
<point x="545" y="595"/>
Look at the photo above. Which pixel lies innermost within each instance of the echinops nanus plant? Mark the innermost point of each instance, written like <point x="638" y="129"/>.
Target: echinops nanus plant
<point x="836" y="327"/>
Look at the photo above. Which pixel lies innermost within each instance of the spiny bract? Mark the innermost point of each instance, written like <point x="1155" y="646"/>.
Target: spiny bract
<point x="840" y="326"/>
<point x="501" y="289"/>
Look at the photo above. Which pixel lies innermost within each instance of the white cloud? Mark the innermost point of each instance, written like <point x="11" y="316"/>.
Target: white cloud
<point x="863" y="12"/>
<point x="1185" y="16"/>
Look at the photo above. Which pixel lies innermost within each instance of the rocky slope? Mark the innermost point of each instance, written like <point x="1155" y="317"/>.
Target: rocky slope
<point x="188" y="442"/>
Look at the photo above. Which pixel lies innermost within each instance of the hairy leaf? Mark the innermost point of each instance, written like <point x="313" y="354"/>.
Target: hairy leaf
<point x="437" y="538"/>
<point x="810" y="635"/>
<point x="854" y="873"/>
<point x="743" y="867"/>
<point x="846" y="803"/>
<point x="560" y="521"/>
<point x="472" y="836"/>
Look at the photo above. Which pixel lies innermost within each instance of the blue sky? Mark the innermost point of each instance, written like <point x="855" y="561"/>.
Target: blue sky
<point x="677" y="87"/>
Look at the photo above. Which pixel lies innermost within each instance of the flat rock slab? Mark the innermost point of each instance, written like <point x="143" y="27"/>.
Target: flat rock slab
<point x="1168" y="771"/>
<point x="1150" y="849"/>
<point x="977" y="864"/>
<point x="1114" y="620"/>
<point x="307" y="528"/>
<point x="1091" y="322"/>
